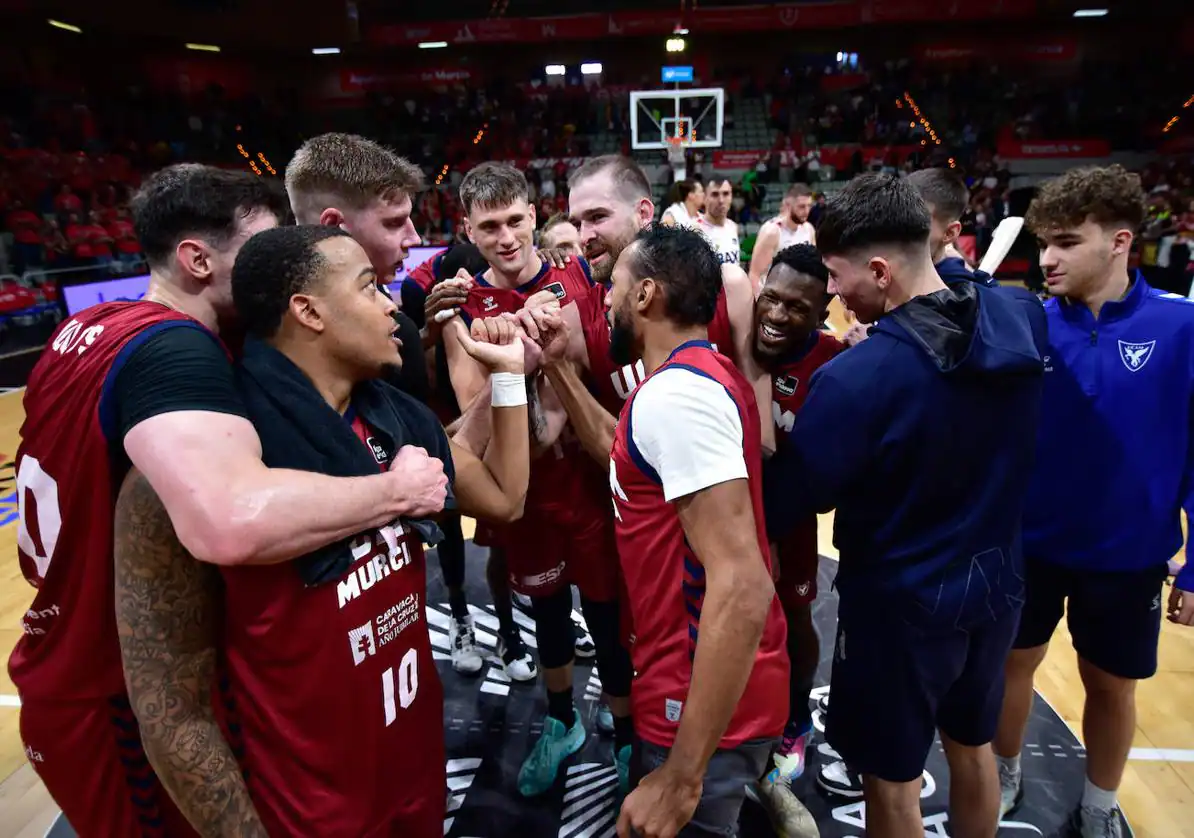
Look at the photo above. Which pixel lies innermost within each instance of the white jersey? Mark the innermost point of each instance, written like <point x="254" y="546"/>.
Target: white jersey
<point x="787" y="236"/>
<point x="724" y="239"/>
<point x="680" y="215"/>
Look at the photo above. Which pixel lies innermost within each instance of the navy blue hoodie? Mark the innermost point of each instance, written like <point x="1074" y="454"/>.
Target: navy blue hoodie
<point x="954" y="269"/>
<point x="928" y="510"/>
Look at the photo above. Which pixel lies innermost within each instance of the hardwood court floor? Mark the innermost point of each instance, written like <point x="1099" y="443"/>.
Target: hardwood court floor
<point x="1158" y="788"/>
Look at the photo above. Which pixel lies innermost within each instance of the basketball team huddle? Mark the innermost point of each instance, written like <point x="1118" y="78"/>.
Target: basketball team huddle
<point x="226" y="489"/>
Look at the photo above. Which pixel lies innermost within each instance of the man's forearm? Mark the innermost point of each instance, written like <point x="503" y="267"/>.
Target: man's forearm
<point x="732" y="619"/>
<point x="591" y="423"/>
<point x="167" y="615"/>
<point x="509" y="457"/>
<point x="474" y="428"/>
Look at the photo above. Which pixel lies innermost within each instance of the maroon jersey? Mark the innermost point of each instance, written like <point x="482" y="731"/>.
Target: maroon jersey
<point x="564" y="480"/>
<point x="790" y="377"/>
<point x="424" y="274"/>
<point x="66" y="490"/>
<point x="335" y="690"/>
<point x="611" y="384"/>
<point x="665" y="580"/>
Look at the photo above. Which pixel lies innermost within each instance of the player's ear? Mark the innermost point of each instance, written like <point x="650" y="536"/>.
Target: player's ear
<point x="1121" y="241"/>
<point x="880" y="270"/>
<point x="304" y="310"/>
<point x="468" y="230"/>
<point x="645" y="293"/>
<point x="952" y="231"/>
<point x="332" y="217"/>
<point x="645" y="211"/>
<point x="194" y="258"/>
<point x="531" y="210"/>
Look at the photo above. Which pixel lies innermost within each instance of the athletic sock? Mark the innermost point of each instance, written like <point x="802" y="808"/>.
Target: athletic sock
<point x="559" y="706"/>
<point x="1094" y="797"/>
<point x="623" y="732"/>
<point x="507" y="628"/>
<point x="458" y="603"/>
<point x="1008" y="764"/>
<point x="796" y="729"/>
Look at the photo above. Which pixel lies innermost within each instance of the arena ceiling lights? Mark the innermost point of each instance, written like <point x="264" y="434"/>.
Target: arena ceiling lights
<point x="203" y="47"/>
<point x="325" y="51"/>
<point x="1090" y="13"/>
<point x="69" y="27"/>
<point x="433" y="44"/>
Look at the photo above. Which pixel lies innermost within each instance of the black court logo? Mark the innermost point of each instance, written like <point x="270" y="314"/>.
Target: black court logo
<point x="787" y="385"/>
<point x="557" y="288"/>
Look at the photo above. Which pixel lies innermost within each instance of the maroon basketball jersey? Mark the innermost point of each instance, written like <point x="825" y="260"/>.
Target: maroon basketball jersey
<point x="335" y="690"/>
<point x="611" y="384"/>
<point x="66" y="492"/>
<point x="790" y="378"/>
<point x="665" y="581"/>
<point x="564" y="480"/>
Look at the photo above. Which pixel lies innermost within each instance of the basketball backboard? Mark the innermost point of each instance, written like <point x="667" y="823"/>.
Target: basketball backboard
<point x="656" y="115"/>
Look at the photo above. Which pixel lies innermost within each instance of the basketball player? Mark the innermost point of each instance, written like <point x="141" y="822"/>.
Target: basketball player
<point x="349" y="181"/>
<point x="947" y="198"/>
<point x="791" y="227"/>
<point x="566" y="536"/>
<point x="1101" y="519"/>
<point x="715" y="224"/>
<point x="149" y="382"/>
<point x="793" y="301"/>
<point x="927" y="523"/>
<point x="320" y="333"/>
<point x="710" y="696"/>
<point x="559" y="234"/>
<point x="686" y="209"/>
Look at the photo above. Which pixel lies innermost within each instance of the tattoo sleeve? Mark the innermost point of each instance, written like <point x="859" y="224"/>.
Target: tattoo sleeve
<point x="167" y="612"/>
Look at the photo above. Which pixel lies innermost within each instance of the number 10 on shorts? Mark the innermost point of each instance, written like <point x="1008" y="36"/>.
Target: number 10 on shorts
<point x="408" y="685"/>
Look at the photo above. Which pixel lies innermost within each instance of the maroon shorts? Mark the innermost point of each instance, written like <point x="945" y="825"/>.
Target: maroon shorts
<point x="544" y="552"/>
<point x="89" y="755"/>
<point x="798" y="564"/>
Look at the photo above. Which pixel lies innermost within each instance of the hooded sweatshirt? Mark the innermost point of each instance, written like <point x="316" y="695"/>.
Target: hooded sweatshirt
<point x="928" y="511"/>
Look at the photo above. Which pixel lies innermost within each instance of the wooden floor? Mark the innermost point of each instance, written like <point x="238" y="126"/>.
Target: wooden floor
<point x="1157" y="793"/>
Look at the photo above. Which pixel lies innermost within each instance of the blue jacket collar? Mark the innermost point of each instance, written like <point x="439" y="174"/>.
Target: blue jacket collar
<point x="1113" y="310"/>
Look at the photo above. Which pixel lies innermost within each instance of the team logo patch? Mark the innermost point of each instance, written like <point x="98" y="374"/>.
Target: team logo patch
<point x="1135" y="355"/>
<point x="787" y="385"/>
<point x="489" y="304"/>
<point x="556" y="288"/>
<point x="379" y="453"/>
<point x="361" y="641"/>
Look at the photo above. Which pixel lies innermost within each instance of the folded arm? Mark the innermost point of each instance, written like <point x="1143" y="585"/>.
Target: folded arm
<point x="167" y="619"/>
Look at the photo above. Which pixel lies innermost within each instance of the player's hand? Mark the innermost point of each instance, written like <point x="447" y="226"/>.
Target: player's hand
<point x="546" y="327"/>
<point x="856" y="334"/>
<point x="421" y="482"/>
<point x="444" y="301"/>
<point x="659" y="807"/>
<point x="496" y="343"/>
<point x="1181" y="607"/>
<point x="540" y="301"/>
<point x="555" y="256"/>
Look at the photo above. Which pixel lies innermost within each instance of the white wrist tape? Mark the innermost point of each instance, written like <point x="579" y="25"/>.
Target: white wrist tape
<point x="509" y="389"/>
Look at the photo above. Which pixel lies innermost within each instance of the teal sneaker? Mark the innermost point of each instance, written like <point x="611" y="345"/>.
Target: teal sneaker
<point x="555" y="745"/>
<point x="622" y="763"/>
<point x="605" y="720"/>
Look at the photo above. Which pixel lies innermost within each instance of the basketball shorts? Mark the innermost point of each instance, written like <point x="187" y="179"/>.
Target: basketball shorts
<point x="1114" y="617"/>
<point x="798" y="565"/>
<point x="89" y="755"/>
<point x="895" y="683"/>
<point x="545" y="552"/>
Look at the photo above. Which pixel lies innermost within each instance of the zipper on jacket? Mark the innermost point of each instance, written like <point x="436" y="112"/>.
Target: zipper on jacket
<point x="1094" y="337"/>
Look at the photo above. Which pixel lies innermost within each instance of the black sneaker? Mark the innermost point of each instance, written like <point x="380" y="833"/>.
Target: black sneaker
<point x="517" y="659"/>
<point x="584" y="647"/>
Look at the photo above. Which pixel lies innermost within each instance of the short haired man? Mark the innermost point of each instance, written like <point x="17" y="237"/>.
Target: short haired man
<point x="566" y="536"/>
<point x="791" y="227"/>
<point x="922" y="511"/>
<point x="946" y="196"/>
<point x="560" y="234"/>
<point x="710" y="699"/>
<point x="715" y="223"/>
<point x="149" y="382"/>
<point x="321" y="334"/>
<point x="1112" y="470"/>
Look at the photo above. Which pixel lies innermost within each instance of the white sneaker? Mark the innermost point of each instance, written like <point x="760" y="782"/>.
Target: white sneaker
<point x="836" y="778"/>
<point x="1099" y="823"/>
<point x="584" y="648"/>
<point x="465" y="658"/>
<point x="517" y="661"/>
<point x="1011" y="790"/>
<point x="522" y="601"/>
<point x="789" y="817"/>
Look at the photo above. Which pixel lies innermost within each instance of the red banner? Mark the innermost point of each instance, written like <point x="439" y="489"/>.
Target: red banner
<point x="1020" y="149"/>
<point x="737" y="159"/>
<point x="356" y="82"/>
<point x="839" y="156"/>
<point x="782" y="16"/>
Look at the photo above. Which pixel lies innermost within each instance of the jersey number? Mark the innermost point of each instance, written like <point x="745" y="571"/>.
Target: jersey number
<point x="408" y="685"/>
<point x="37" y="504"/>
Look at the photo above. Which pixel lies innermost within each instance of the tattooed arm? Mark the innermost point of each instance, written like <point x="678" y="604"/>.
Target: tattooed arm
<point x="166" y="616"/>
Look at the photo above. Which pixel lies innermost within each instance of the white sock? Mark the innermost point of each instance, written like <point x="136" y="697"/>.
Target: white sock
<point x="1011" y="764"/>
<point x="1094" y="797"/>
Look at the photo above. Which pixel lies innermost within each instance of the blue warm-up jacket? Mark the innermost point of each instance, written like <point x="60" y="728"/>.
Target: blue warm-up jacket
<point x="922" y="437"/>
<point x="1115" y="457"/>
<point x="953" y="269"/>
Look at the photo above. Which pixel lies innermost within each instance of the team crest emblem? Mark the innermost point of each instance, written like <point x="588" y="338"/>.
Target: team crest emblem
<point x="1135" y="355"/>
<point x="787" y="385"/>
<point x="556" y="288"/>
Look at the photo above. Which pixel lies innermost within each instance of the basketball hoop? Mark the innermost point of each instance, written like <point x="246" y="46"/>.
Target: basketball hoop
<point x="676" y="147"/>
